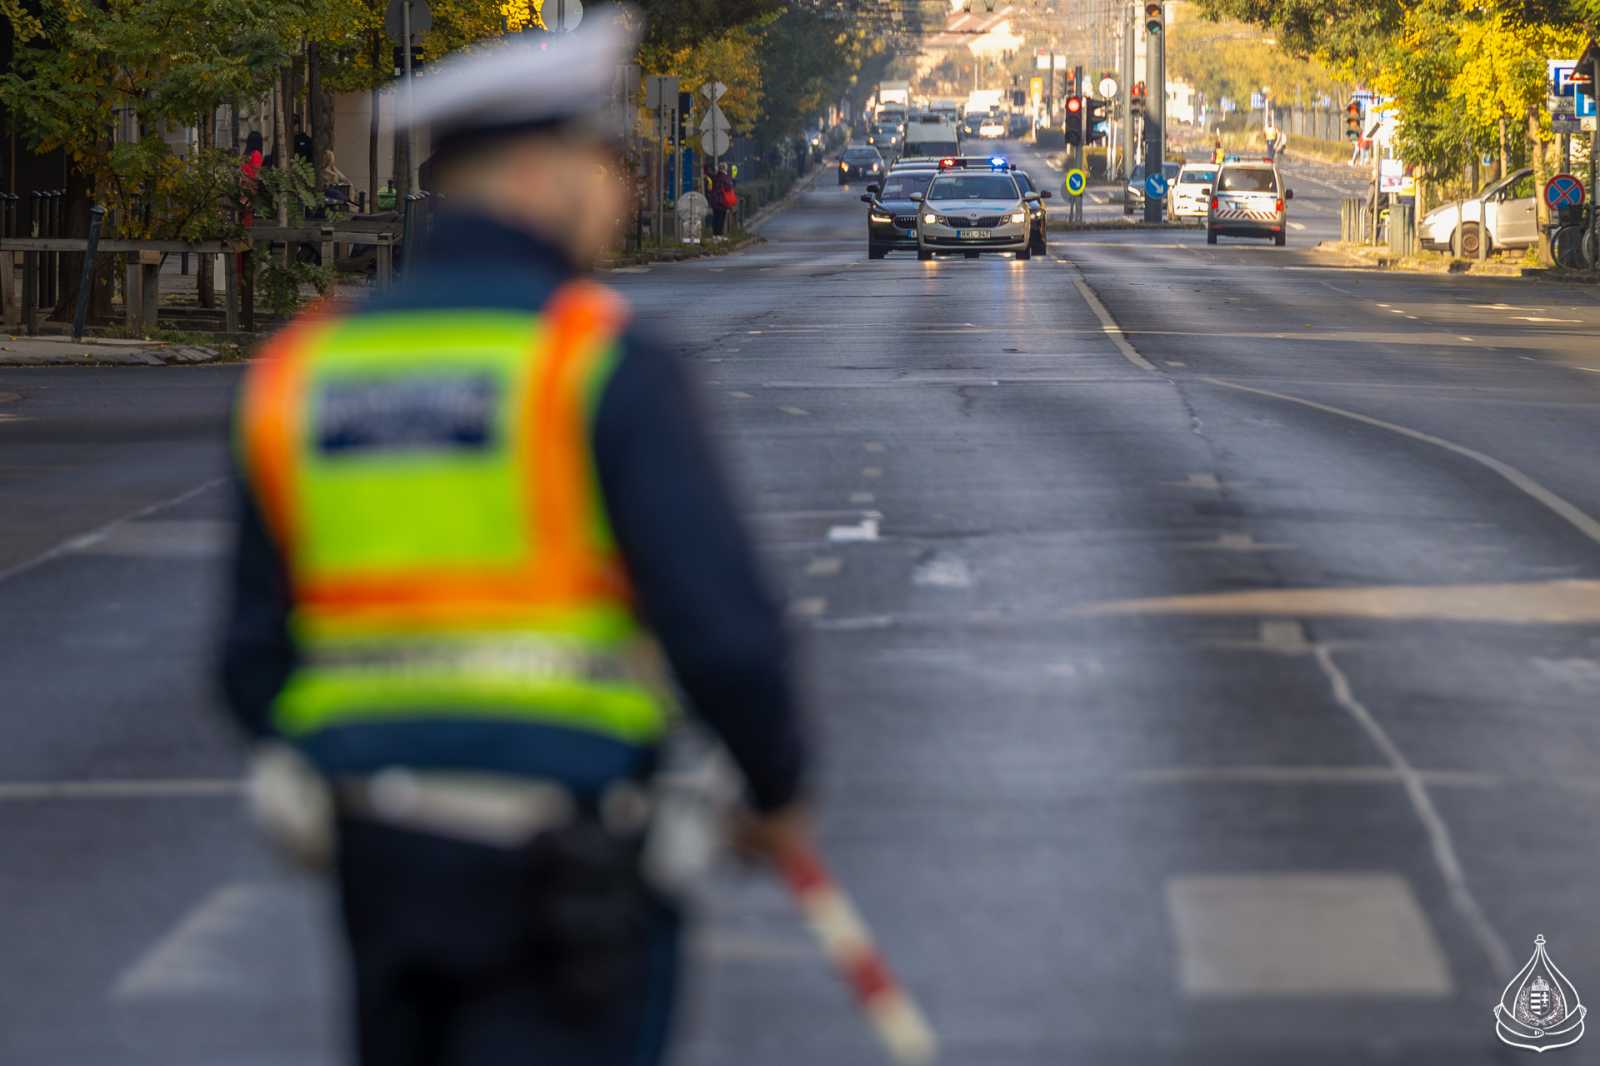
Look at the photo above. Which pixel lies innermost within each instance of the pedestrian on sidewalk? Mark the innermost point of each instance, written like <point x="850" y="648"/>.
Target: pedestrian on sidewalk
<point x="724" y="199"/>
<point x="479" y="520"/>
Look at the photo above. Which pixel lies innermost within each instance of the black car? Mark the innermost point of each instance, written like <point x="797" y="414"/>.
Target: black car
<point x="1041" y="220"/>
<point x="860" y="162"/>
<point x="1133" y="193"/>
<point x="892" y="214"/>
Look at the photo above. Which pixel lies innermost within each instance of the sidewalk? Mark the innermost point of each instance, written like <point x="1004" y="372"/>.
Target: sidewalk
<point x="99" y="351"/>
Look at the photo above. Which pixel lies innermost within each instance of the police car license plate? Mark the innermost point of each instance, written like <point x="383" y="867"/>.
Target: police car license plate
<point x="973" y="234"/>
<point x="909" y="232"/>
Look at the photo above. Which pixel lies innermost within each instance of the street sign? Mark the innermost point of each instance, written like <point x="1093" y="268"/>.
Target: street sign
<point x="1155" y="186"/>
<point x="1076" y="182"/>
<point x="1570" y="91"/>
<point x="715" y="142"/>
<point x="714" y="119"/>
<point x="1391" y="175"/>
<point x="394" y="20"/>
<point x="713" y="90"/>
<point x="660" y="92"/>
<point x="1108" y="87"/>
<point x="562" y="16"/>
<point x="1563" y="190"/>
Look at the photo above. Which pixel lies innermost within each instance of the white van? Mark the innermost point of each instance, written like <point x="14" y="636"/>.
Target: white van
<point x="930" y="140"/>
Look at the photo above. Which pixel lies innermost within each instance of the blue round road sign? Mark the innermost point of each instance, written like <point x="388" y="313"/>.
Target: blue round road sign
<point x="1563" y="190"/>
<point x="1155" y="185"/>
<point x="1076" y="180"/>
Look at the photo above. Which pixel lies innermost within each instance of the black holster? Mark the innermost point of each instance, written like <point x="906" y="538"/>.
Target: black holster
<point x="590" y="912"/>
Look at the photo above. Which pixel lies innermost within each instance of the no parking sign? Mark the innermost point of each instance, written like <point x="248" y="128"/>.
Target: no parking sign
<point x="1563" y="190"/>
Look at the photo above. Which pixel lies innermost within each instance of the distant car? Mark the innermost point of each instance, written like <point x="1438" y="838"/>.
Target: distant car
<point x="1249" y="200"/>
<point x="1190" y="195"/>
<point x="1038" y="236"/>
<point x="1133" y="193"/>
<point x="992" y="127"/>
<point x="1507" y="208"/>
<point x="860" y="163"/>
<point x="973" y="212"/>
<point x="892" y="213"/>
<point x="884" y="136"/>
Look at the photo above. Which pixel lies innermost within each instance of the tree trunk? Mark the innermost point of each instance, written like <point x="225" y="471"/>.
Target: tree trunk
<point x="372" y="132"/>
<point x="1541" y="174"/>
<point x="321" y="135"/>
<point x="1505" y="161"/>
<point x="205" y="294"/>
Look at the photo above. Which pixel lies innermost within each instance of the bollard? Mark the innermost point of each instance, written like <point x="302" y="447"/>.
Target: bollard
<point x="80" y="314"/>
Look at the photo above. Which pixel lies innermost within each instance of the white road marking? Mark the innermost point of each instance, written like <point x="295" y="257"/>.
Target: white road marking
<point x="1540" y="318"/>
<point x="155" y="539"/>
<point x="1587" y="369"/>
<point x="84" y="540"/>
<point x="872" y="472"/>
<point x="827" y="566"/>
<point x="1440" y="841"/>
<point x="873" y="446"/>
<point x="1309" y="775"/>
<point x="1272" y="935"/>
<point x="862" y="497"/>
<point x="193" y="958"/>
<point x="942" y="570"/>
<point x="1108" y="324"/>
<point x="1559" y="602"/>
<point x="110" y="788"/>
<point x="1567" y="511"/>
<point x="1175" y="362"/>
<point x="865" y="530"/>
<point x="1467" y="339"/>
<point x="741" y="395"/>
<point x="1236" y="542"/>
<point x="798" y="412"/>
<point x="1284" y="634"/>
<point x="1297" y="225"/>
<point x="1208" y="482"/>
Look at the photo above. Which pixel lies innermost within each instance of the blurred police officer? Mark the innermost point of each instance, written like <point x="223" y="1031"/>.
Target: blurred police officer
<point x="477" y="512"/>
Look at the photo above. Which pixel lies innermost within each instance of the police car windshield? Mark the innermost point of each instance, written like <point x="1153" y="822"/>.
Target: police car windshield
<point x="901" y="185"/>
<point x="1197" y="177"/>
<point x="1247" y="179"/>
<point x="1024" y="182"/>
<point x="974" y="187"/>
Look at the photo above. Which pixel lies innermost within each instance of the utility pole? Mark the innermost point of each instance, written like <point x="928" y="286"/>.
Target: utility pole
<point x="1083" y="136"/>
<point x="412" y="163"/>
<point x="1155" y="104"/>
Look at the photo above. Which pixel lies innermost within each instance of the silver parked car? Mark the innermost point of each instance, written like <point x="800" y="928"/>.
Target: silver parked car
<point x="1506" y="207"/>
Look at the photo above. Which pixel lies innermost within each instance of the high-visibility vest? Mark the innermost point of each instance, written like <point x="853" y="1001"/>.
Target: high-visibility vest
<point x="429" y="480"/>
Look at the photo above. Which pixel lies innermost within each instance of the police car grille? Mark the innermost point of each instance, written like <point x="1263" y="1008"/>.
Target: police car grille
<point x="905" y="221"/>
<point x="987" y="220"/>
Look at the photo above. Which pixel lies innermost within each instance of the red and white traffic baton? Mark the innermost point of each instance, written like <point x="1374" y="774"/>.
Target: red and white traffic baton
<point x="848" y="945"/>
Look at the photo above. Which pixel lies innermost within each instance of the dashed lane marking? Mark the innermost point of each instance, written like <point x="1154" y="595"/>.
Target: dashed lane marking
<point x="827" y="566"/>
<point x="1561" y="507"/>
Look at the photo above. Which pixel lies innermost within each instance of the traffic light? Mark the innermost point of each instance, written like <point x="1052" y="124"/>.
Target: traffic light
<point x="1154" y="17"/>
<point x="1136" y="102"/>
<point x="1097" y="119"/>
<point x="1352" y="120"/>
<point x="1074" y="105"/>
<point x="685" y="127"/>
<point x="1019" y="98"/>
<point x="1072" y="83"/>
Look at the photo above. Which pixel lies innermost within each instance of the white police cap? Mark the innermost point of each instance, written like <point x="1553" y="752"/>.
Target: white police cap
<point x="524" y="82"/>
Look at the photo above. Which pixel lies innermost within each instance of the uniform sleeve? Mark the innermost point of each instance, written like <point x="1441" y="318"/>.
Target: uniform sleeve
<point x="694" y="570"/>
<point x="257" y="654"/>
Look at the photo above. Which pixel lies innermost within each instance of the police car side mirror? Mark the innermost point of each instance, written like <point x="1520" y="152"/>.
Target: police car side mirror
<point x="873" y="190"/>
<point x="866" y="199"/>
<point x="916" y="197"/>
<point x="1045" y="194"/>
<point x="1030" y="196"/>
<point x="1288" y="194"/>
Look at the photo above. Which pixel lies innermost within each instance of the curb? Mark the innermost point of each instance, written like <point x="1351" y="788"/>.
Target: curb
<point x="63" y="351"/>
<point x="679" y="255"/>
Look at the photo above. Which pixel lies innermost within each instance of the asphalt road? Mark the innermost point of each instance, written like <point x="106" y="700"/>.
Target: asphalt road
<point x="1206" y="643"/>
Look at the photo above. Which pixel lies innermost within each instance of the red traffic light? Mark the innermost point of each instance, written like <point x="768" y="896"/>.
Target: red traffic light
<point x="1074" y="104"/>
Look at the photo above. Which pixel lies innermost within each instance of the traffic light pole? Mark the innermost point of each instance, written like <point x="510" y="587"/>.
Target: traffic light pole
<point x="1155" y="107"/>
<point x="1083" y="138"/>
<point x="1130" y="28"/>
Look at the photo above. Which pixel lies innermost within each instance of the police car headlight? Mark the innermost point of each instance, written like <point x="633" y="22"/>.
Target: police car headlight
<point x="874" y="216"/>
<point x="930" y="218"/>
<point x="1018" y="217"/>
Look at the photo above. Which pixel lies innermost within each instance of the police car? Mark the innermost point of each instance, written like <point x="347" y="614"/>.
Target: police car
<point x="973" y="210"/>
<point x="1190" y="194"/>
<point x="1248" y="200"/>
